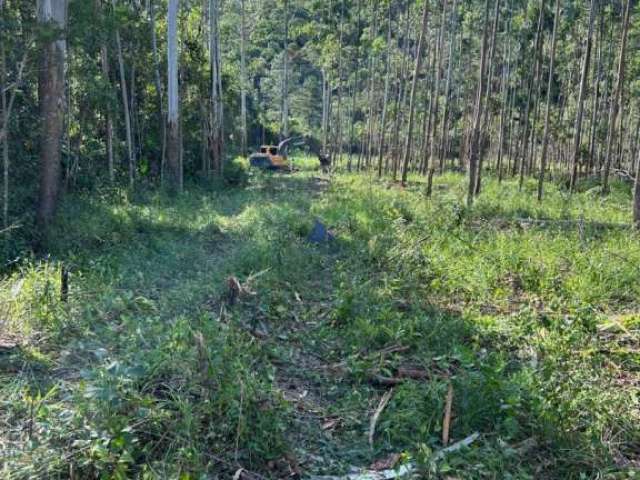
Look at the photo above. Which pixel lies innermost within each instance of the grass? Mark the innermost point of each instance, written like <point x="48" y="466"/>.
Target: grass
<point x="148" y="371"/>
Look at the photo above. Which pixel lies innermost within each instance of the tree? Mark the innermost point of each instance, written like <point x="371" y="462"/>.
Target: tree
<point x="477" y="116"/>
<point x="545" y="137"/>
<point x="174" y="166"/>
<point x="615" y="103"/>
<point x="581" y="96"/>
<point x="52" y="16"/>
<point x="125" y="106"/>
<point x="414" y="87"/>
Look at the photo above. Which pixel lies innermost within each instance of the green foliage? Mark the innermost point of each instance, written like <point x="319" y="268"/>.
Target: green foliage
<point x="236" y="172"/>
<point x="146" y="373"/>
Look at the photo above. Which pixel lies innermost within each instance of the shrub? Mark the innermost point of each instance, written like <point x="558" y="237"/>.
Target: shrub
<point x="235" y="172"/>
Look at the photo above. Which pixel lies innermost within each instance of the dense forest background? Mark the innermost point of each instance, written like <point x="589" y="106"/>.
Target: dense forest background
<point x="97" y="94"/>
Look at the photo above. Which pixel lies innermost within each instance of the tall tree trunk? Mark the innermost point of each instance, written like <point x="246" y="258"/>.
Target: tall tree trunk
<point x="475" y="131"/>
<point x="486" y="121"/>
<point x="636" y="194"/>
<point x="125" y="106"/>
<point x="532" y="80"/>
<point x="596" y="97"/>
<point x="545" y="137"/>
<point x="447" y="90"/>
<point x="51" y="94"/>
<point x="216" y="141"/>
<point x="162" y="122"/>
<point x="104" y="60"/>
<point x="4" y="128"/>
<point x="243" y="78"/>
<point x="414" y="88"/>
<point x="577" y="136"/>
<point x="173" y="111"/>
<point x="615" y="104"/>
<point x="433" y="128"/>
<point x="385" y="99"/>
<point x="285" y="75"/>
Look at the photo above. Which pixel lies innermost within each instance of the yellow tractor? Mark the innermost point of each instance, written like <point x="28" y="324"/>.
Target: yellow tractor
<point x="271" y="157"/>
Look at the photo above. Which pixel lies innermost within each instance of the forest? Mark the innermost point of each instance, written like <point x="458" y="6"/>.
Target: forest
<point x="435" y="274"/>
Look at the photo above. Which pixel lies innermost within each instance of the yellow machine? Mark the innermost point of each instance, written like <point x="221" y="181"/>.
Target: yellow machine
<point x="270" y="157"/>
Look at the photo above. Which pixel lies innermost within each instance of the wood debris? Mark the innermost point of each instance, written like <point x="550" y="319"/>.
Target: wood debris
<point x="376" y="415"/>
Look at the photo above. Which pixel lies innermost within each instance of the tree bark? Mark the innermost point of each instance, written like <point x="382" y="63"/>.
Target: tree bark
<point x="475" y="131"/>
<point x="155" y="168"/>
<point x="577" y="137"/>
<point x="545" y="137"/>
<point x="615" y="104"/>
<point x="125" y="106"/>
<point x="173" y="111"/>
<point x="243" y="79"/>
<point x="53" y="14"/>
<point x="414" y="87"/>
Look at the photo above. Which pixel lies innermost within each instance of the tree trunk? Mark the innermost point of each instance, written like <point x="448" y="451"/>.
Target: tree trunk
<point x="52" y="104"/>
<point x="636" y="194"/>
<point x="285" y="75"/>
<point x="125" y="105"/>
<point x="155" y="168"/>
<point x="475" y="131"/>
<point x="615" y="104"/>
<point x="104" y="60"/>
<point x="385" y="99"/>
<point x="173" y="111"/>
<point x="243" y="79"/>
<point x="545" y="137"/>
<point x="414" y="87"/>
<point x="581" y="95"/>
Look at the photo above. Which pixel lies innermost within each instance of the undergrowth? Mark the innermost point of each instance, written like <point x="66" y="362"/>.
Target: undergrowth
<point x="528" y="310"/>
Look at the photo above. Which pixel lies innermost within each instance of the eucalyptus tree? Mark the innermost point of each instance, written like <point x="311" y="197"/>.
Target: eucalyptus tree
<point x="414" y="88"/>
<point x="52" y="16"/>
<point x="174" y="165"/>
<point x="616" y="101"/>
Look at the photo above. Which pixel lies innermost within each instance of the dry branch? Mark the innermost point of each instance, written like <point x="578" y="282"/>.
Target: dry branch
<point x="376" y="415"/>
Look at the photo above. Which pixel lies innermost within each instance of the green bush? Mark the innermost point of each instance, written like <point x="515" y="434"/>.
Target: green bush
<point x="236" y="172"/>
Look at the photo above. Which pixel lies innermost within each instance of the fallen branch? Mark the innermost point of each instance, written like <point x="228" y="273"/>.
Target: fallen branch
<point x="446" y="422"/>
<point x="376" y="415"/>
<point x="10" y="227"/>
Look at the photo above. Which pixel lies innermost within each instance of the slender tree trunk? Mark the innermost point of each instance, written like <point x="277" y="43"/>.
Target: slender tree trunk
<point x="52" y="104"/>
<point x="285" y="76"/>
<point x="414" y="87"/>
<point x="104" y="59"/>
<point x="475" y="132"/>
<point x="581" y="96"/>
<point x="5" y="137"/>
<point x="447" y="90"/>
<point x="433" y="148"/>
<point x="596" y="98"/>
<point x="243" y="77"/>
<point x="125" y="106"/>
<point x="486" y="121"/>
<point x="545" y="137"/>
<point x="532" y="80"/>
<point x="615" y="104"/>
<point x="173" y="111"/>
<point x="636" y="195"/>
<point x="158" y="169"/>
<point x="387" y="78"/>
<point x="216" y="132"/>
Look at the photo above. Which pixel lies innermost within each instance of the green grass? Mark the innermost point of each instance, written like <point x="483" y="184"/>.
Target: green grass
<point x="147" y="372"/>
